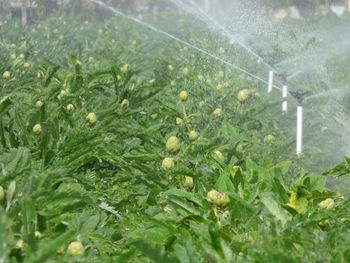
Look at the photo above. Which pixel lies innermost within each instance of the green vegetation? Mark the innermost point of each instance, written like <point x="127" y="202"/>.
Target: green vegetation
<point x="89" y="174"/>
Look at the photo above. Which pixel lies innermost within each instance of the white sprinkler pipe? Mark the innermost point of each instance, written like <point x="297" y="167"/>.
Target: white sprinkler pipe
<point x="284" y="96"/>
<point x="299" y="130"/>
<point x="270" y="83"/>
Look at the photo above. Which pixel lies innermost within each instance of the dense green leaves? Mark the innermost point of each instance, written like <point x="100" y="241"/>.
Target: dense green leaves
<point x="101" y="181"/>
<point x="342" y="169"/>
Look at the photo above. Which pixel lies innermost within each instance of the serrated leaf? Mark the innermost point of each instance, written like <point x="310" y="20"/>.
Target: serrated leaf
<point x="186" y="206"/>
<point x="5" y="104"/>
<point x="274" y="208"/>
<point x="15" y="161"/>
<point x="110" y="209"/>
<point x="224" y="183"/>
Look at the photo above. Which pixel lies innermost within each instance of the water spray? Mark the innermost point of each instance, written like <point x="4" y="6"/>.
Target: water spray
<point x="332" y="92"/>
<point x="140" y="22"/>
<point x="300" y="96"/>
<point x="223" y="30"/>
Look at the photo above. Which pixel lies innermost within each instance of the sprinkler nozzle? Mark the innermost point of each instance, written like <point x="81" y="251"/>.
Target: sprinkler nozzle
<point x="299" y="95"/>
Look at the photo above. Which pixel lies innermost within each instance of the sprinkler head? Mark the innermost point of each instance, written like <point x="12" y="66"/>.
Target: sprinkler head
<point x="300" y="95"/>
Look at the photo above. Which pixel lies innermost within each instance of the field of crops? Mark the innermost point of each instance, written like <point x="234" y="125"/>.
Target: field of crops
<point x="119" y="145"/>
